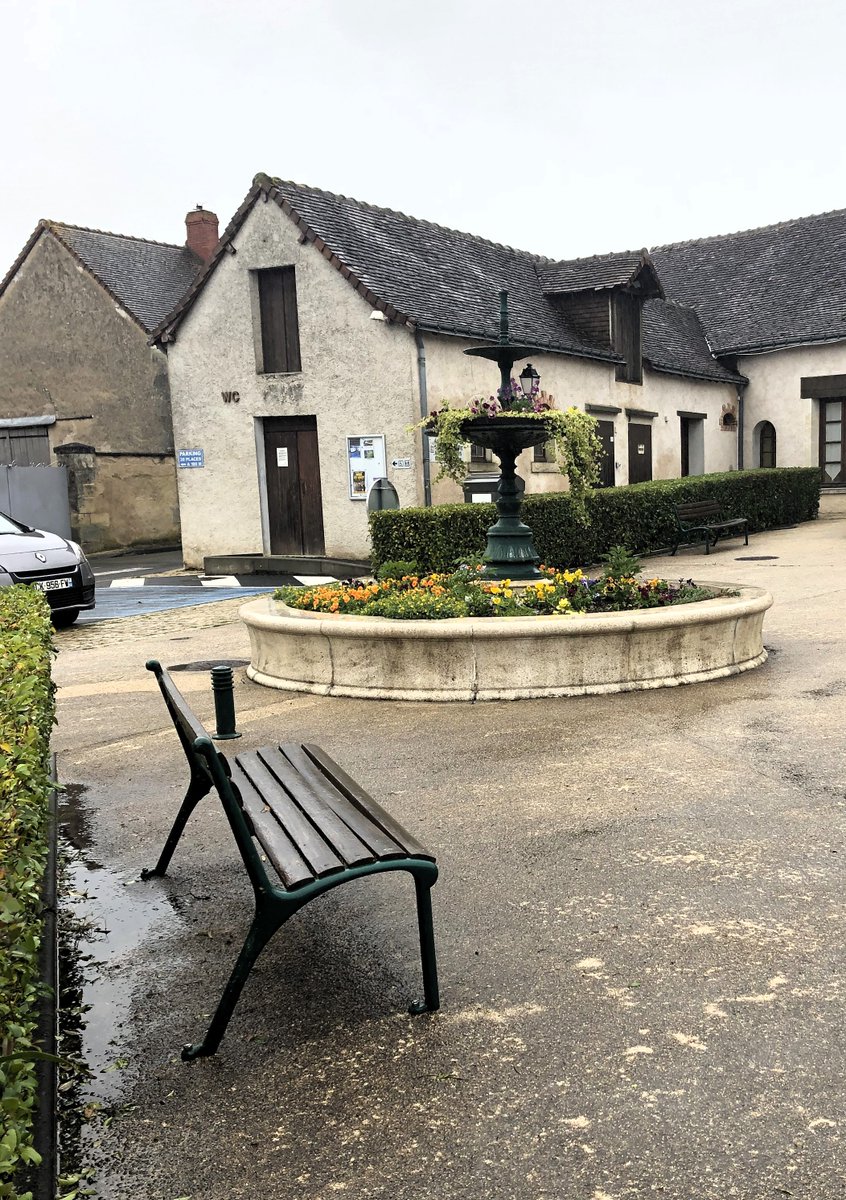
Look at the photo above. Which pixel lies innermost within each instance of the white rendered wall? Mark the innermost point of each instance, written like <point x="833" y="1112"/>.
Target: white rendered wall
<point x="775" y="394"/>
<point x="358" y="376"/>
<point x="459" y="378"/>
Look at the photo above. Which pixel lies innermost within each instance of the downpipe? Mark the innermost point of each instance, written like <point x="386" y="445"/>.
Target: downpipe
<point x="424" y="412"/>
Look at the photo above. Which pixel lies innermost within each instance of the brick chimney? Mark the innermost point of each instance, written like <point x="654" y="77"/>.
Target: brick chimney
<point x="201" y="229"/>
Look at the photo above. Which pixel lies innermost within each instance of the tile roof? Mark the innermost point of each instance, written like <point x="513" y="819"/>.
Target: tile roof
<point x="598" y="273"/>
<point x="762" y="288"/>
<point x="441" y="279"/>
<point x="674" y="342"/>
<point x="444" y="281"/>
<point x="146" y="278"/>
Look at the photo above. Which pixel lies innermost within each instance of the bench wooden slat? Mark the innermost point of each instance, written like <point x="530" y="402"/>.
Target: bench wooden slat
<point x="320" y="856"/>
<point x="290" y="865"/>
<point x="362" y="825"/>
<point x="349" y="848"/>
<point x="338" y="776"/>
<point x="697" y="509"/>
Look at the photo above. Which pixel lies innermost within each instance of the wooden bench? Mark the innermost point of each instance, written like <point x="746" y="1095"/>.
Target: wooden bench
<point x="295" y="811"/>
<point x="704" y="519"/>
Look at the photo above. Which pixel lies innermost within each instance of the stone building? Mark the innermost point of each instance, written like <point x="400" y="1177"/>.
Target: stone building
<point x="79" y="383"/>
<point x="322" y="328"/>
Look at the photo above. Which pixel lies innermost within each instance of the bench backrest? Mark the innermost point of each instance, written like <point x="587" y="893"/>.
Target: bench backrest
<point x="208" y="764"/>
<point x="698" y="510"/>
<point x="188" y="727"/>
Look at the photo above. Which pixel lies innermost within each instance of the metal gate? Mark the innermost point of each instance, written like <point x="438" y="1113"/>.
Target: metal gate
<point x="37" y="496"/>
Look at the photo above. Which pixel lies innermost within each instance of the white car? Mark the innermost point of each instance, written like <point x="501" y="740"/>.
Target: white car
<point x="55" y="566"/>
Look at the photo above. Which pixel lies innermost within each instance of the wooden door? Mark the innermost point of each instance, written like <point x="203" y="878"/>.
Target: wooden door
<point x="832" y="443"/>
<point x="607" y="470"/>
<point x="294" y="501"/>
<point x="25" y="446"/>
<point x="640" y="452"/>
<point x="685" y="445"/>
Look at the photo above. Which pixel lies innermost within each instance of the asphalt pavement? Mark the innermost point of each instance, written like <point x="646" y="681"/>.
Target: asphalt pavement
<point x="135" y="584"/>
<point x="640" y="921"/>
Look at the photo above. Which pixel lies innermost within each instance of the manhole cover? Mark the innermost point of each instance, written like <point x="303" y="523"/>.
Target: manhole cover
<point x="757" y="558"/>
<point x="212" y="662"/>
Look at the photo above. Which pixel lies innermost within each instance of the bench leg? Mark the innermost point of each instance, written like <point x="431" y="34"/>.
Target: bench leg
<point x="265" y="924"/>
<point x="196" y="790"/>
<point x="431" y="1000"/>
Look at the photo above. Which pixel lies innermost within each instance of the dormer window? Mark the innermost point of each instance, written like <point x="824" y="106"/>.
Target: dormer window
<point x="627" y="335"/>
<point x="602" y="299"/>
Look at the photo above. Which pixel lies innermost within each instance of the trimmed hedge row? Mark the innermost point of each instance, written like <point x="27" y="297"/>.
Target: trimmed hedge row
<point x="26" y="720"/>
<point x="639" y="516"/>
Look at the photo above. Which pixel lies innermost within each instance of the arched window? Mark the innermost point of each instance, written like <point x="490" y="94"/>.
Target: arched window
<point x="767" y="444"/>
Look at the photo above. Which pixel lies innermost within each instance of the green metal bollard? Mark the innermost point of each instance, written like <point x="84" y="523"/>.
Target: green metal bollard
<point x="224" y="704"/>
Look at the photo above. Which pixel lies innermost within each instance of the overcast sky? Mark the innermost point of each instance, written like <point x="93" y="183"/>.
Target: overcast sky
<point x="566" y="127"/>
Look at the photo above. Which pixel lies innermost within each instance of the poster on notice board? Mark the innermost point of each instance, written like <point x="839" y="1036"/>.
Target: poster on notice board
<point x="366" y="463"/>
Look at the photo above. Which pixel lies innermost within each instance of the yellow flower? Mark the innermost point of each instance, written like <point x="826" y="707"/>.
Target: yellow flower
<point x="497" y="600"/>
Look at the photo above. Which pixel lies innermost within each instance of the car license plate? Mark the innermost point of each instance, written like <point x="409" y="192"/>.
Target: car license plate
<point x="52" y="585"/>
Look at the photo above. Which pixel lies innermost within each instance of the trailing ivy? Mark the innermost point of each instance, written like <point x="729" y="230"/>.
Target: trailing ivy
<point x="26" y="719"/>
<point x="639" y="517"/>
<point x="573" y="433"/>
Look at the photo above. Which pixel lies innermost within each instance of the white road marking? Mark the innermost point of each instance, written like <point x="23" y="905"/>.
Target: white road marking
<point x="131" y="581"/>
<point x="314" y="580"/>
<point x="121" y="571"/>
<point x="223" y="581"/>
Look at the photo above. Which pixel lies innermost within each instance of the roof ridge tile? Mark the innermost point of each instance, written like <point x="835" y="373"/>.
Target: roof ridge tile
<point x="720" y="237"/>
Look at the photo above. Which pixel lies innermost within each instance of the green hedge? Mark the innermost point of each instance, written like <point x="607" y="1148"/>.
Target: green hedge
<point x="639" y="516"/>
<point x="26" y="719"/>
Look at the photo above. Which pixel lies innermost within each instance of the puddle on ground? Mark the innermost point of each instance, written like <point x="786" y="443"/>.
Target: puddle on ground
<point x="106" y="917"/>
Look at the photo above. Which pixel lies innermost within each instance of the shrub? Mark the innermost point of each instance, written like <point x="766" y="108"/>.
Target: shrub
<point x="26" y="719"/>
<point x="639" y="516"/>
<point x="397" y="569"/>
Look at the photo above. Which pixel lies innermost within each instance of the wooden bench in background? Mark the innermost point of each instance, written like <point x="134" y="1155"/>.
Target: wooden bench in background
<point x="295" y="812"/>
<point x="703" y="520"/>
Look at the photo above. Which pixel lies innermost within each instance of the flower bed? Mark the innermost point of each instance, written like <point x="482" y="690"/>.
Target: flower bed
<point x="26" y="719"/>
<point x="463" y="594"/>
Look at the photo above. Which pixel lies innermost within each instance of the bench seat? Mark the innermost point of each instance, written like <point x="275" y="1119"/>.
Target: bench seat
<point x="310" y="818"/>
<point x="702" y="520"/>
<point x="294" y="810"/>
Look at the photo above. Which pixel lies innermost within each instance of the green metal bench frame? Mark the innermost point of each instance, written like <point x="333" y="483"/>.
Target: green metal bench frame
<point x="276" y="903"/>
<point x="703" y="517"/>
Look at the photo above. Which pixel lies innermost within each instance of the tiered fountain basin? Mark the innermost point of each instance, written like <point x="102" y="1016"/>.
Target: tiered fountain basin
<point x="505" y="658"/>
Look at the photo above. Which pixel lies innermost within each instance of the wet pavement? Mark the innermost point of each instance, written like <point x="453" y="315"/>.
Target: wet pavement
<point x="134" y="584"/>
<point x="640" y="924"/>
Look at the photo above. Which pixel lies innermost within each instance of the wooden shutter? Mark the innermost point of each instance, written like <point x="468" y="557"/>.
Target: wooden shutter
<point x="280" y="331"/>
<point x="628" y="336"/>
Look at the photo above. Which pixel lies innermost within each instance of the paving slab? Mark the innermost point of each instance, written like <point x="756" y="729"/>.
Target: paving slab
<point x="640" y="925"/>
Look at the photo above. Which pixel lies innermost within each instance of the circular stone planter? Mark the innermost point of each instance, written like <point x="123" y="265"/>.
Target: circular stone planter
<point x="505" y="658"/>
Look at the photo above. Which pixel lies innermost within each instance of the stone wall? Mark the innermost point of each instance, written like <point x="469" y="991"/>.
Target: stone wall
<point x="68" y="350"/>
<point x="120" y="500"/>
